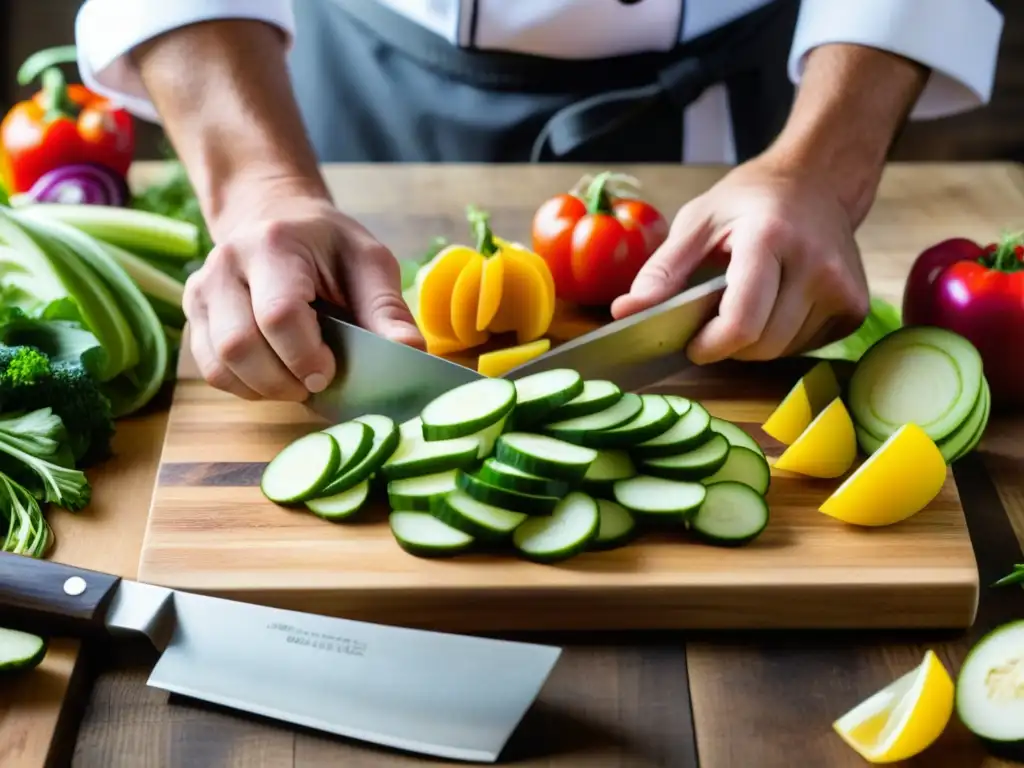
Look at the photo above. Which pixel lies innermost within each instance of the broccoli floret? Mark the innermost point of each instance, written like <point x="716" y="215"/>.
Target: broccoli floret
<point x="29" y="381"/>
<point x="33" y="441"/>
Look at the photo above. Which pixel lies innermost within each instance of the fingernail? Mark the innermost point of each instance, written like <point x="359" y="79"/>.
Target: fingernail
<point x="316" y="382"/>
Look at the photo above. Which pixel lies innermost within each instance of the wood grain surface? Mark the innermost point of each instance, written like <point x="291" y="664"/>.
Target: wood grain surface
<point x="764" y="699"/>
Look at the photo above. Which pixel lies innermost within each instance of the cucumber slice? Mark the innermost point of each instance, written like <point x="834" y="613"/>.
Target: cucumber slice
<point x="493" y="472"/>
<point x="680" y="404"/>
<point x="468" y="408"/>
<point x="544" y="456"/>
<point x="989" y="701"/>
<point x="658" y="499"/>
<point x="743" y="466"/>
<point x="415" y="456"/>
<point x="656" y="416"/>
<point x="423" y="535"/>
<point x="413" y="428"/>
<point x="569" y="530"/>
<point x="617" y="526"/>
<point x="608" y="468"/>
<point x="481" y="521"/>
<point x="538" y="394"/>
<point x="20" y="651"/>
<point x="732" y="514"/>
<point x="735" y="434"/>
<point x="579" y="429"/>
<point x="692" y="429"/>
<point x="489" y="435"/>
<point x="702" y="461"/>
<point x="981" y="429"/>
<point x="385" y="441"/>
<point x="922" y="374"/>
<point x="597" y="395"/>
<point x="954" y="446"/>
<point x="302" y="469"/>
<point x="418" y="493"/>
<point x="354" y="440"/>
<point x="341" y="506"/>
<point x="528" y="503"/>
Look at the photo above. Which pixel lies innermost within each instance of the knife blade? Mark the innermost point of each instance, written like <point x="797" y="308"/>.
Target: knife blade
<point x="377" y="375"/>
<point x="446" y="695"/>
<point x="638" y="350"/>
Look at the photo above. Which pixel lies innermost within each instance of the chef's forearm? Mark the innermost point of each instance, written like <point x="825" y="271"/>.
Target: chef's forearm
<point x="225" y="100"/>
<point x="849" y="108"/>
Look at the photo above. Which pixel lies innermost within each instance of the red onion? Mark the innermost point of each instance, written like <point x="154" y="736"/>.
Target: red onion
<point x="81" y="184"/>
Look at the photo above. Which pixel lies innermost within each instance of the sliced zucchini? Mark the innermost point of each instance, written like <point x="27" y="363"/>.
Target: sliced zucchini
<point x="385" y="441"/>
<point x="411" y="428"/>
<point x="20" y="651"/>
<point x="418" y="493"/>
<point x="656" y="416"/>
<point x="617" y="526"/>
<point x="692" y="429"/>
<point x="354" y="440"/>
<point x="744" y="466"/>
<point x="735" y="434"/>
<point x="680" y="404"/>
<point x="489" y="435"/>
<point x="608" y="468"/>
<point x="579" y="429"/>
<point x="302" y="469"/>
<point x="508" y="477"/>
<point x="481" y="521"/>
<point x="423" y="535"/>
<point x="544" y="456"/>
<point x="658" y="499"/>
<point x="416" y="456"/>
<point x="597" y="395"/>
<point x="538" y="394"/>
<point x="567" y="531"/>
<point x="528" y="503"/>
<point x="957" y="444"/>
<point x="341" y="506"/>
<point x="981" y="430"/>
<point x="732" y="514"/>
<point x="702" y="461"/>
<point x="467" y="409"/>
<point x="989" y="692"/>
<point x="922" y="374"/>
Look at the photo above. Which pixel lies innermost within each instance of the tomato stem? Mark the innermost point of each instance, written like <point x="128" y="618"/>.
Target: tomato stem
<point x="596" y="197"/>
<point x="479" y="221"/>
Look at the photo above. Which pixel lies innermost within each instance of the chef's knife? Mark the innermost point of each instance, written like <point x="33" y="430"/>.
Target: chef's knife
<point x="446" y="695"/>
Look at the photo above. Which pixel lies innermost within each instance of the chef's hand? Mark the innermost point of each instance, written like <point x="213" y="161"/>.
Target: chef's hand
<point x="795" y="278"/>
<point x="253" y="332"/>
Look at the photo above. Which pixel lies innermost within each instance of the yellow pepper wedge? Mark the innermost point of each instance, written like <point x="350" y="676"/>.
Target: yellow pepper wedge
<point x="809" y="396"/>
<point x="465" y="303"/>
<point x="434" y="298"/>
<point x="826" y="448"/>
<point x="501" y="361"/>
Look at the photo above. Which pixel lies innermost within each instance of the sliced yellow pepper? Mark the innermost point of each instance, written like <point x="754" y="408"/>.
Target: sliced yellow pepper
<point x="501" y="361"/>
<point x="827" y="448"/>
<point x="811" y="394"/>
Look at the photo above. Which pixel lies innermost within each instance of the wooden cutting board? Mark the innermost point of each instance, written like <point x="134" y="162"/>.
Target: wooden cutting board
<point x="211" y="530"/>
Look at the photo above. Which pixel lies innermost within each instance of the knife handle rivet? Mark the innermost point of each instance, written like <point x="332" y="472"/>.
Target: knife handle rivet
<point x="74" y="586"/>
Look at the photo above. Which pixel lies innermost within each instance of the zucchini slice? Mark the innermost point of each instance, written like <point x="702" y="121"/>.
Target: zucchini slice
<point x="301" y="469"/>
<point x="481" y="521"/>
<point x="989" y="689"/>
<point x="493" y="472"/>
<point x="702" y="461"/>
<point x="500" y="497"/>
<point x="354" y="439"/>
<point x="743" y="466"/>
<point x="341" y="506"/>
<point x="732" y="514"/>
<point x="597" y="395"/>
<point x="467" y="409"/>
<point x="416" y="456"/>
<point x="656" y="416"/>
<point x="567" y="531"/>
<point x="735" y="434"/>
<point x="538" y="394"/>
<point x="385" y="441"/>
<point x="608" y="468"/>
<point x="657" y="499"/>
<point x="692" y="429"/>
<point x="20" y="651"/>
<point x="579" y="429"/>
<point x="544" y="456"/>
<point x="617" y="526"/>
<point x="419" y="493"/>
<point x="423" y="535"/>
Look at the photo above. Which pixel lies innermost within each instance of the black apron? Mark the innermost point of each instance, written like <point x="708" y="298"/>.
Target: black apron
<point x="374" y="86"/>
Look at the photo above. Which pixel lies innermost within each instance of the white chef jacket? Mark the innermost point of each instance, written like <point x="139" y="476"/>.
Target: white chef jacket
<point x="957" y="39"/>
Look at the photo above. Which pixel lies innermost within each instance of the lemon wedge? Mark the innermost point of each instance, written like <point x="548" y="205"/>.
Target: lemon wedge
<point x="897" y="481"/>
<point x="904" y="718"/>
<point x="808" y="397"/>
<point x="826" y="448"/>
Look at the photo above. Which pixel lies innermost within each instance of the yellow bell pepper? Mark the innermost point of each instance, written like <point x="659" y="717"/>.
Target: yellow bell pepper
<point x="465" y="295"/>
<point x="501" y="361"/>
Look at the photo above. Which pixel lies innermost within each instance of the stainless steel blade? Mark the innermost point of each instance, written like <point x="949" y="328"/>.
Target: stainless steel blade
<point x="452" y="696"/>
<point x="376" y="375"/>
<point x="638" y="350"/>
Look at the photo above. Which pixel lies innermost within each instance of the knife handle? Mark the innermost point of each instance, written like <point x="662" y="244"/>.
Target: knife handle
<point x="49" y="598"/>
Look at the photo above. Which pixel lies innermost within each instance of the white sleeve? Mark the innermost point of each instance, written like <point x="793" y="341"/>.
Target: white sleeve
<point x="107" y="30"/>
<point x="957" y="39"/>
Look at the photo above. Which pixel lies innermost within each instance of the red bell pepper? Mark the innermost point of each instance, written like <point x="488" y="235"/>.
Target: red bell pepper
<point x="595" y="243"/>
<point x="61" y="125"/>
<point x="977" y="292"/>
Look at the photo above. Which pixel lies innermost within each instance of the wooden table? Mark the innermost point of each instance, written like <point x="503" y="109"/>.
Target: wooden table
<point x="638" y="700"/>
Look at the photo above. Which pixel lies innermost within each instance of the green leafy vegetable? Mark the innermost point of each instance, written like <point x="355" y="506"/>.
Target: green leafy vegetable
<point x="27" y="532"/>
<point x="175" y="198"/>
<point x="1016" y="576"/>
<point x="36" y="456"/>
<point x="883" y="318"/>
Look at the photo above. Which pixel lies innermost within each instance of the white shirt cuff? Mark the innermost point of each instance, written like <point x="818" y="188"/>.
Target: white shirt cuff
<point x="957" y="39"/>
<point x="106" y="31"/>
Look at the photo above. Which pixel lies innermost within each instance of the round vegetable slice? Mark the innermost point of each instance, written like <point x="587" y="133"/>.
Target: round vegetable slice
<point x="544" y="456"/>
<point x="419" y="493"/>
<point x="341" y="506"/>
<point x="654" y="498"/>
<point x="692" y="429"/>
<point x="482" y="521"/>
<point x="501" y="497"/>
<point x="20" y="650"/>
<point x="354" y="440"/>
<point x="385" y="441"/>
<point x="302" y="469"/>
<point x="493" y="472"/>
<point x="597" y="395"/>
<point x="423" y="535"/>
<point x="743" y="466"/>
<point x="616" y="526"/>
<point x="702" y="461"/>
<point x="656" y="416"/>
<point x="732" y="514"/>
<point x="539" y="394"/>
<point x="578" y="430"/>
<point x="415" y="457"/>
<point x="467" y="409"/>
<point x="735" y="434"/>
<point x="990" y="687"/>
<point x="567" y="531"/>
<point x="607" y="469"/>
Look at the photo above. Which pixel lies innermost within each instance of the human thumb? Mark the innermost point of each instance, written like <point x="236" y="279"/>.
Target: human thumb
<point x="374" y="288"/>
